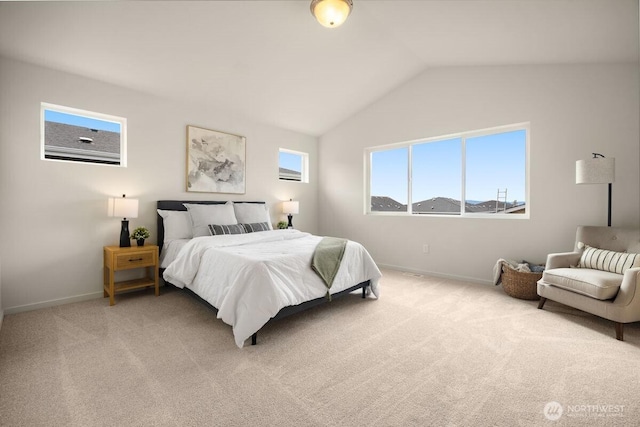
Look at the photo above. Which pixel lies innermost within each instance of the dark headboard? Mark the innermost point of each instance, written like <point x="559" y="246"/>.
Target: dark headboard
<point x="177" y="205"/>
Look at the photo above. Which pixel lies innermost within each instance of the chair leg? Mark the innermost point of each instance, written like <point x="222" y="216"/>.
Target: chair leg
<point x="541" y="303"/>
<point x="619" y="331"/>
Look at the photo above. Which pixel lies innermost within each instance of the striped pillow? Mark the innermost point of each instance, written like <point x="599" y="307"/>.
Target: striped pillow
<point x="602" y="259"/>
<point x="256" y="226"/>
<point x="216" y="230"/>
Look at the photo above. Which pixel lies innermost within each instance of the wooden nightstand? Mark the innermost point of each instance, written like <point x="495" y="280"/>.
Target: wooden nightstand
<point x="117" y="258"/>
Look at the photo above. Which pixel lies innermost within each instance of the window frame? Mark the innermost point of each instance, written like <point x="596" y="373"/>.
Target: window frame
<point x="368" y="153"/>
<point x="304" y="173"/>
<point x="98" y="158"/>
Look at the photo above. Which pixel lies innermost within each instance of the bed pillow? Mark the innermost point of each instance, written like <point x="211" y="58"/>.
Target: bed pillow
<point x="256" y="226"/>
<point x="602" y="259"/>
<point x="217" y="230"/>
<point x="177" y="224"/>
<point x="252" y="213"/>
<point x="203" y="215"/>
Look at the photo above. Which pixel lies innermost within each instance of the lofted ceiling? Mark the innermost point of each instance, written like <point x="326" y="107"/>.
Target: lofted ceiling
<point x="273" y="63"/>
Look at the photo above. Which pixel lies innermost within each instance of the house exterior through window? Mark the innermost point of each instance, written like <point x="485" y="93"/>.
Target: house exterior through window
<point x="73" y="135"/>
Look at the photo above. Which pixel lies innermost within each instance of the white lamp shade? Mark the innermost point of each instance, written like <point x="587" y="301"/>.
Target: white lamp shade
<point x="122" y="207"/>
<point x="599" y="170"/>
<point x="331" y="13"/>
<point x="290" y="207"/>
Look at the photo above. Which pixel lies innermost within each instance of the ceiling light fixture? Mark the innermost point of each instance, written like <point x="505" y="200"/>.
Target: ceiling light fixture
<point x="331" y="13"/>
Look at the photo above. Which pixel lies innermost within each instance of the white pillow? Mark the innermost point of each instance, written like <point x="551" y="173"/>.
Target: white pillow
<point x="602" y="259"/>
<point x="177" y="224"/>
<point x="203" y="215"/>
<point x="251" y="213"/>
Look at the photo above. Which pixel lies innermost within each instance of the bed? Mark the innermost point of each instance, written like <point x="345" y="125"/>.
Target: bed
<point x="250" y="273"/>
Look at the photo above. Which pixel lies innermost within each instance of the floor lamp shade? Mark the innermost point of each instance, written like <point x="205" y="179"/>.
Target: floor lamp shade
<point x="123" y="208"/>
<point x="597" y="170"/>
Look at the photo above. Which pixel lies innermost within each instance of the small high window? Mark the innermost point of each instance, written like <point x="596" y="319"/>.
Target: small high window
<point x="70" y="134"/>
<point x="293" y="166"/>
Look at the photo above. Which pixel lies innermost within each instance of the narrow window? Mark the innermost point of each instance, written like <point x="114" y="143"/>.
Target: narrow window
<point x="293" y="165"/>
<point x="495" y="178"/>
<point x="73" y="135"/>
<point x="436" y="177"/>
<point x="389" y="180"/>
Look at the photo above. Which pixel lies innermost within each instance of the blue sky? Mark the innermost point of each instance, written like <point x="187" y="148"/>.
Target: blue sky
<point x="72" y="119"/>
<point x="492" y="162"/>
<point x="291" y="161"/>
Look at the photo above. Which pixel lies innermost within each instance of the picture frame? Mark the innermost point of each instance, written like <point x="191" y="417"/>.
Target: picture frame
<point x="216" y="161"/>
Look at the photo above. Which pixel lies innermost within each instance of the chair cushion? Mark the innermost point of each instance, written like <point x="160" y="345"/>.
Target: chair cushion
<point x="598" y="284"/>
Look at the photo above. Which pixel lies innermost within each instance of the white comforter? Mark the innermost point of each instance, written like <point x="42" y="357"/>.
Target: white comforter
<point x="250" y="277"/>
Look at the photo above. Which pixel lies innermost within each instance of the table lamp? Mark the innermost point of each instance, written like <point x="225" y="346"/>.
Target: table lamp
<point x="290" y="208"/>
<point x="123" y="208"/>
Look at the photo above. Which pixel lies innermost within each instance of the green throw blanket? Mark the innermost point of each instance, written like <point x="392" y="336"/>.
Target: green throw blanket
<point x="327" y="258"/>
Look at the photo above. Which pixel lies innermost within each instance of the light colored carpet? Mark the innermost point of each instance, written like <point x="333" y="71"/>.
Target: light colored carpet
<point x="431" y="351"/>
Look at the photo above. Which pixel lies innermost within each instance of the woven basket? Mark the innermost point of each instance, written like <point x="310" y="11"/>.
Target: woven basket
<point x="519" y="284"/>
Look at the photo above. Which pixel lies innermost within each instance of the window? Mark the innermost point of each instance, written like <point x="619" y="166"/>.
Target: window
<point x="293" y="165"/>
<point x="487" y="169"/>
<point x="436" y="177"/>
<point x="69" y="134"/>
<point x="389" y="180"/>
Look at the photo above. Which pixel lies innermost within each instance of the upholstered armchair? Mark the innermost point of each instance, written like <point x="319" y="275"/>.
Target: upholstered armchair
<point x="601" y="276"/>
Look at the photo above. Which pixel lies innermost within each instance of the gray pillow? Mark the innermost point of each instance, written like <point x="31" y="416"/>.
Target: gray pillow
<point x="203" y="215"/>
<point x="256" y="226"/>
<point x="251" y="213"/>
<point x="177" y="224"/>
<point x="217" y="230"/>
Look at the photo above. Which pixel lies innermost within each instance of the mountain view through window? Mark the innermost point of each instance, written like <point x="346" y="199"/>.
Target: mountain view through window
<point x="486" y="169"/>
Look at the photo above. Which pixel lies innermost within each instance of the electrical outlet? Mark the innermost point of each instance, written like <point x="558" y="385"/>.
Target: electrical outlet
<point x="425" y="249"/>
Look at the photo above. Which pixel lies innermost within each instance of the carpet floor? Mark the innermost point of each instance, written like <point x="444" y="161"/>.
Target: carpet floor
<point x="430" y="351"/>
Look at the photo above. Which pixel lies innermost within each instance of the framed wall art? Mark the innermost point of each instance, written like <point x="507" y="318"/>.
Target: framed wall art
<point x="215" y="161"/>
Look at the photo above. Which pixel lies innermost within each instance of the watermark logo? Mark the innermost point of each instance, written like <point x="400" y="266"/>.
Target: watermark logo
<point x="553" y="411"/>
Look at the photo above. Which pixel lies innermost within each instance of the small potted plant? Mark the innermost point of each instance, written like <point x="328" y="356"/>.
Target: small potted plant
<point x="282" y="225"/>
<point x="139" y="234"/>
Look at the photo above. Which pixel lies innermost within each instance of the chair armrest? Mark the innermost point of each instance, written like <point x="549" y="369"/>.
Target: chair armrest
<point x="562" y="260"/>
<point x="629" y="288"/>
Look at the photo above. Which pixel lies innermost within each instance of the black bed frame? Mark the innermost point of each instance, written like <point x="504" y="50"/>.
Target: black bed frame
<point x="177" y="205"/>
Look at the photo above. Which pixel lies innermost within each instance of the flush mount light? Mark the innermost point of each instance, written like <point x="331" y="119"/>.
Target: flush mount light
<point x="331" y="13"/>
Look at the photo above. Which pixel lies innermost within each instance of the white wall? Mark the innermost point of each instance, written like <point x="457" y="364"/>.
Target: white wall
<point x="1" y="310"/>
<point x="53" y="219"/>
<point x="573" y="111"/>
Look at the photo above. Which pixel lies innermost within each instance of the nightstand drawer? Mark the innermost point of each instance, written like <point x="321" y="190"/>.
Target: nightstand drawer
<point x="134" y="260"/>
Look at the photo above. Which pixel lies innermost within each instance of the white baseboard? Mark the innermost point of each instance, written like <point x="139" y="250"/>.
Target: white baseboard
<point x="435" y="274"/>
<point x="52" y="303"/>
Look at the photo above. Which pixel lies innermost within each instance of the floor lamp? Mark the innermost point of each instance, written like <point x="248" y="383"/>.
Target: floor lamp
<point x="597" y="170"/>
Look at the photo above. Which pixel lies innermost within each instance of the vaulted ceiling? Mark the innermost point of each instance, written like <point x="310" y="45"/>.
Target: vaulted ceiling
<point x="272" y="62"/>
